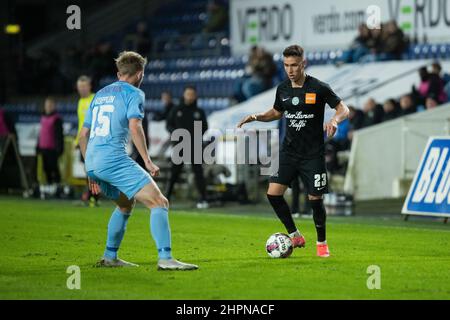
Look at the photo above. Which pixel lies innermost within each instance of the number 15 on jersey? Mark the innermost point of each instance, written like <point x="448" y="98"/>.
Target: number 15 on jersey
<point x="101" y="120"/>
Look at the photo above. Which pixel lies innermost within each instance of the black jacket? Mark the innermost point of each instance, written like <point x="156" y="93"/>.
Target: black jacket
<point x="183" y="116"/>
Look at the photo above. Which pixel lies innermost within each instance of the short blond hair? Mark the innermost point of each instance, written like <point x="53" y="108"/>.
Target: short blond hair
<point x="130" y="62"/>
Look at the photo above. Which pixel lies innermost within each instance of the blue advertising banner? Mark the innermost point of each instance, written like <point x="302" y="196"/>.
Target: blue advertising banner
<point x="429" y="193"/>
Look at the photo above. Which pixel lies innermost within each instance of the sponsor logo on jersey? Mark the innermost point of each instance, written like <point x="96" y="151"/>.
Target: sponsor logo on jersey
<point x="310" y="98"/>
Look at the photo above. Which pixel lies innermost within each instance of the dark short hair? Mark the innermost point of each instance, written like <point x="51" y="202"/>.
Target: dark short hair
<point x="190" y="86"/>
<point x="293" y="51"/>
<point x="437" y="65"/>
<point x="84" y="78"/>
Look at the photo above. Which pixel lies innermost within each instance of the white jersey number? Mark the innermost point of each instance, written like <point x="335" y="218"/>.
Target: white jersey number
<point x="101" y="115"/>
<point x="320" y="180"/>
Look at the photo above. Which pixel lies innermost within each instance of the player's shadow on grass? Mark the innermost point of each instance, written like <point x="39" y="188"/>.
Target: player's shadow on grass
<point x="292" y="260"/>
<point x="262" y="259"/>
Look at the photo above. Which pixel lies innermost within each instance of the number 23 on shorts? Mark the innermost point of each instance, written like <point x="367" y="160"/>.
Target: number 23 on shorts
<point x="320" y="180"/>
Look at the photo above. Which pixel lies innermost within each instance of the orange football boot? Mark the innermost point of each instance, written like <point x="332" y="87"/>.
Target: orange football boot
<point x="298" y="242"/>
<point x="322" y="250"/>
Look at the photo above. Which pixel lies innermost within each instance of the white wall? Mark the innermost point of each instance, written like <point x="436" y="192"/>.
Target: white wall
<point x="385" y="153"/>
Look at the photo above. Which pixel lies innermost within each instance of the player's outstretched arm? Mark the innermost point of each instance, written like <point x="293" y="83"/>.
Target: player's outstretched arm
<point x="341" y="114"/>
<point x="138" y="136"/>
<point x="267" y="116"/>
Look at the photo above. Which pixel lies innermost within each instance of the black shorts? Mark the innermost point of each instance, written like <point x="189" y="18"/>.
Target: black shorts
<point x="312" y="172"/>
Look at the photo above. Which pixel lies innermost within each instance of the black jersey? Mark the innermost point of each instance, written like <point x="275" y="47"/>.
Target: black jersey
<point x="304" y="110"/>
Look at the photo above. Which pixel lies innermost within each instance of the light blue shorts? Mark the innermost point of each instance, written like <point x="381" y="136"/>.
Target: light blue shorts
<point x="125" y="176"/>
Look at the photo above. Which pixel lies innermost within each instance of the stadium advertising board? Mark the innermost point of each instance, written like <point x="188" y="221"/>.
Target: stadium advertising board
<point x="429" y="193"/>
<point x="330" y="24"/>
<point x="273" y="24"/>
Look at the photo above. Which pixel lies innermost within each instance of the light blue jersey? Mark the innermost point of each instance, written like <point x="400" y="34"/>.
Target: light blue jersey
<point x="107" y="161"/>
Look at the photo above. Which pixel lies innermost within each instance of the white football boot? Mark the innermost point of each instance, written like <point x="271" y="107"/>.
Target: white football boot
<point x="114" y="263"/>
<point x="173" y="264"/>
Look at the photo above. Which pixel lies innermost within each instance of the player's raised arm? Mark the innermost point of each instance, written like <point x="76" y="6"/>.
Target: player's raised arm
<point x="341" y="114"/>
<point x="267" y="116"/>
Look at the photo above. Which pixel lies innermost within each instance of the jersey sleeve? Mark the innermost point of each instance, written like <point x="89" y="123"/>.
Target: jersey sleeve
<point x="277" y="105"/>
<point x="330" y="97"/>
<point x="136" y="106"/>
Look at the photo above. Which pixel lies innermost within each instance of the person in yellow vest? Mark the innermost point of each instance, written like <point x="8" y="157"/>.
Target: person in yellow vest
<point x="84" y="88"/>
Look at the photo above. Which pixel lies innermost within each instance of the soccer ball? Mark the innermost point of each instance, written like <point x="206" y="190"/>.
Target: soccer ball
<point x="279" y="245"/>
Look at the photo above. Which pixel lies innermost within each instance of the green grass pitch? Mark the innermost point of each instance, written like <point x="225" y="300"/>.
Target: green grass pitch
<point x="39" y="240"/>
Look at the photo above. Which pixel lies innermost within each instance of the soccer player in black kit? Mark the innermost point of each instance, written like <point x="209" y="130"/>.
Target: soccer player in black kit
<point x="301" y="99"/>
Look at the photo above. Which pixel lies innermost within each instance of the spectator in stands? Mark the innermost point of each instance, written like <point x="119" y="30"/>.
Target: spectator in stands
<point x="436" y="69"/>
<point x="340" y="142"/>
<point x="51" y="141"/>
<point x="262" y="70"/>
<point x="431" y="86"/>
<point x="391" y="110"/>
<point x="216" y="17"/>
<point x="140" y="41"/>
<point x="374" y="44"/>
<point x="238" y="95"/>
<point x="373" y="113"/>
<point x="184" y="116"/>
<point x="430" y="103"/>
<point x="166" y="98"/>
<point x="356" y="118"/>
<point x="407" y="105"/>
<point x="392" y="42"/>
<point x="358" y="48"/>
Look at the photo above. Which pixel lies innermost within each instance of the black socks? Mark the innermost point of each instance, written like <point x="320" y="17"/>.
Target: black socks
<point x="283" y="212"/>
<point x="320" y="218"/>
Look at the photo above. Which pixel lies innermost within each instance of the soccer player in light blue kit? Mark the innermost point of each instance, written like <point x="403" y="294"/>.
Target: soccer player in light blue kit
<point x="116" y="111"/>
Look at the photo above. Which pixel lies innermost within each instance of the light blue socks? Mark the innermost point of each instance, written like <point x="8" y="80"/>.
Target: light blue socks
<point x="116" y="230"/>
<point x="160" y="229"/>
